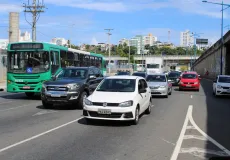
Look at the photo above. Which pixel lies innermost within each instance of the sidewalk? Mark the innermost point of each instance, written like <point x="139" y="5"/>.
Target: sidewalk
<point x="3" y="86"/>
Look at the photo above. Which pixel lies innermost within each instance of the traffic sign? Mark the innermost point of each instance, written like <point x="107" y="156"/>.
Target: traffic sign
<point x="29" y="70"/>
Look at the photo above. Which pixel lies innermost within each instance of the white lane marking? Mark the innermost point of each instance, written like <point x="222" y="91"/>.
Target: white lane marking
<point x="6" y="102"/>
<point x="39" y="135"/>
<point x="182" y="135"/>
<point x="43" y="112"/>
<point x="18" y="107"/>
<point x="195" y="137"/>
<point x="168" y="141"/>
<point x="179" y="141"/>
<point x="208" y="137"/>
<point x="191" y="96"/>
<point x="195" y="151"/>
<point x="190" y="127"/>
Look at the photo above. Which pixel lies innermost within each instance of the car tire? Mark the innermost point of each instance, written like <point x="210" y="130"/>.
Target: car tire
<point x="46" y="105"/>
<point x="29" y="94"/>
<point x="136" y="120"/>
<point x="81" y="99"/>
<point x="170" y="93"/>
<point x="148" y="110"/>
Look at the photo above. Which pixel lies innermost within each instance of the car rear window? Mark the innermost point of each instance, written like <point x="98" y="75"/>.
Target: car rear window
<point x="189" y="76"/>
<point x="156" y="78"/>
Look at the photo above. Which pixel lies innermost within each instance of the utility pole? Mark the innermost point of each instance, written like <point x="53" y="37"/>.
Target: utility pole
<point x="109" y="34"/>
<point x="71" y="29"/>
<point x="35" y="8"/>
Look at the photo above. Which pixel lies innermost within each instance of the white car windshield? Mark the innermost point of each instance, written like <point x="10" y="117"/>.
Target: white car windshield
<point x="117" y="85"/>
<point x="224" y="79"/>
<point x="156" y="78"/>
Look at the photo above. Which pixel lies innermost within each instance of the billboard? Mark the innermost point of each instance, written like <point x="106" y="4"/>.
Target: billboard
<point x="202" y="41"/>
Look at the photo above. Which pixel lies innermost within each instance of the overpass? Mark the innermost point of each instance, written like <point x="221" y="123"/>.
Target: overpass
<point x="140" y="57"/>
<point x="210" y="60"/>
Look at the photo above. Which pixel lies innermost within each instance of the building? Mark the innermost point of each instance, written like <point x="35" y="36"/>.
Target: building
<point x="24" y="37"/>
<point x="60" y="41"/>
<point x="164" y="44"/>
<point x="186" y="39"/>
<point x="3" y="43"/>
<point x="149" y="39"/>
<point x="103" y="46"/>
<point x="138" y="42"/>
<point x="123" y="41"/>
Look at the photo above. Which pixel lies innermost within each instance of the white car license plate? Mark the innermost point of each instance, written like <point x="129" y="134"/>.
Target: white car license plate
<point x="188" y="85"/>
<point x="104" y="111"/>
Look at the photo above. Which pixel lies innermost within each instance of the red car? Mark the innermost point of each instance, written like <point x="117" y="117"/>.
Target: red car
<point x="189" y="81"/>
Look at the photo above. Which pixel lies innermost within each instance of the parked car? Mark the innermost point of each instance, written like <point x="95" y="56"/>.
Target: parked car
<point x="174" y="77"/>
<point x="189" y="81"/>
<point x="159" y="85"/>
<point x="221" y="85"/>
<point x="141" y="74"/>
<point x="71" y="85"/>
<point x="122" y="98"/>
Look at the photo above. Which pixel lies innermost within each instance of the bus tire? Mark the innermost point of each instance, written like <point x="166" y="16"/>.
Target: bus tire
<point x="29" y="94"/>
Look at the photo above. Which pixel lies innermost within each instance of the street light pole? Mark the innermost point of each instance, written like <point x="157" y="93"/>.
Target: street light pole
<point x="222" y="39"/>
<point x="129" y="55"/>
<point x="109" y="34"/>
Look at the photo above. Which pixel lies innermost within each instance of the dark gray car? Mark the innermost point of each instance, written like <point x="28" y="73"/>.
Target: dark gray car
<point x="71" y="86"/>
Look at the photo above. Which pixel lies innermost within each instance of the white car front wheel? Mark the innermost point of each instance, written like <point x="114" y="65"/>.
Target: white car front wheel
<point x="136" y="120"/>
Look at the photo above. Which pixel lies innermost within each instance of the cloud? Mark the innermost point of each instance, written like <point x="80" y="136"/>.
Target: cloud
<point x="5" y="8"/>
<point x="187" y="6"/>
<point x="94" y="41"/>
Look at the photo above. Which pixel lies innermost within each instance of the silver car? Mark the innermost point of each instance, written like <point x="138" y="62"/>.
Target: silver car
<point x="159" y="85"/>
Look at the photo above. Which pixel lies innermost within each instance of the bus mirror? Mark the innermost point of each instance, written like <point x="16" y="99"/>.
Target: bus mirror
<point x="54" y="78"/>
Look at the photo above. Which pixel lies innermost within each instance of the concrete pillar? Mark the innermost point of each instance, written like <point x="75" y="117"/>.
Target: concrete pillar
<point x="13" y="27"/>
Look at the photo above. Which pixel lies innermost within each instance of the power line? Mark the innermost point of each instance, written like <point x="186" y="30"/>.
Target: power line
<point x="35" y="8"/>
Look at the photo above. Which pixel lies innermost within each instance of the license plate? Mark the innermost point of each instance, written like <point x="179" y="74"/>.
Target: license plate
<point x="188" y="85"/>
<point x="26" y="87"/>
<point x="55" y="95"/>
<point x="104" y="111"/>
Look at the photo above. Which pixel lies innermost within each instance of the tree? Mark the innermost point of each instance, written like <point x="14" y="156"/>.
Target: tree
<point x="147" y="46"/>
<point x="87" y="47"/>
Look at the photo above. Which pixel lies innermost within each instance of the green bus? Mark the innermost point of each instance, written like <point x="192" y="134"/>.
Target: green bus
<point x="29" y="64"/>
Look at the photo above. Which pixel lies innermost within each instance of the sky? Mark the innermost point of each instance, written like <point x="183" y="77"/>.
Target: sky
<point x="84" y="21"/>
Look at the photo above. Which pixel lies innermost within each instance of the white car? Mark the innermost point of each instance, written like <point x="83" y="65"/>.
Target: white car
<point x="221" y="85"/>
<point x="122" y="98"/>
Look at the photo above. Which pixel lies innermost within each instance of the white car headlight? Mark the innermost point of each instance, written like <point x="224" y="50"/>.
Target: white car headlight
<point x="219" y="87"/>
<point x="126" y="104"/>
<point x="87" y="102"/>
<point x="195" y="82"/>
<point x="162" y="86"/>
<point x="72" y="86"/>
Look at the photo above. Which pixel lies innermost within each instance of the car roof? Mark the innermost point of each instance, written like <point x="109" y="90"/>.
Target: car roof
<point x="72" y="67"/>
<point x="159" y="74"/>
<point x="140" y="72"/>
<point x="124" y="77"/>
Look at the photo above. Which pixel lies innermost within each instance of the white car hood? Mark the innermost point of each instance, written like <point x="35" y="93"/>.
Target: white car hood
<point x="111" y="97"/>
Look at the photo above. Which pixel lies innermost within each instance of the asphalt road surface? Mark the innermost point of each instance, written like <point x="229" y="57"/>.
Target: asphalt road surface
<point x="187" y="125"/>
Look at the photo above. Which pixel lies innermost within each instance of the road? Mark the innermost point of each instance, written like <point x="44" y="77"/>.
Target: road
<point x="188" y="125"/>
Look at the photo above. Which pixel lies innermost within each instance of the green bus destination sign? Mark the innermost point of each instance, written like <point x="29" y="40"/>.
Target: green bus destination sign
<point x="19" y="46"/>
